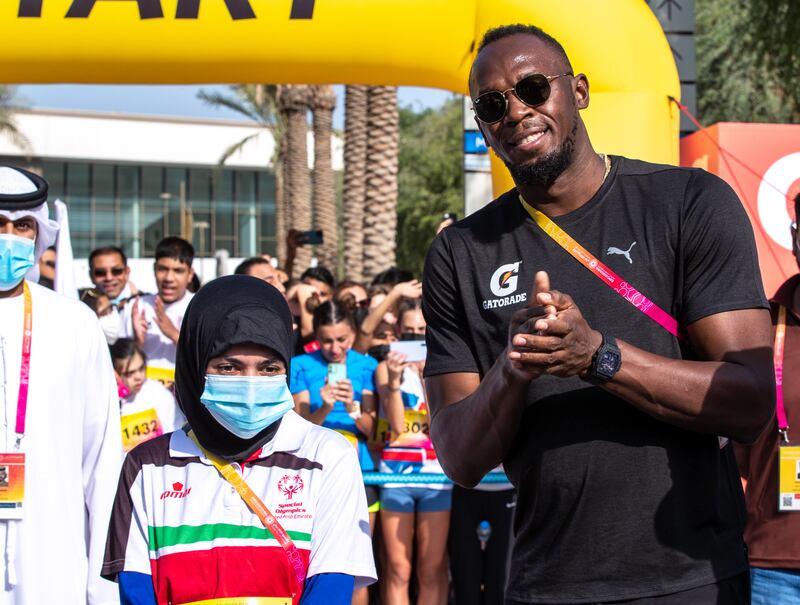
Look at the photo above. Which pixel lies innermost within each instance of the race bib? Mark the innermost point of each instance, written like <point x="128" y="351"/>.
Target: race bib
<point x="245" y="601"/>
<point x="165" y="376"/>
<point x="415" y="430"/>
<point x="139" y="427"/>
<point x="12" y="485"/>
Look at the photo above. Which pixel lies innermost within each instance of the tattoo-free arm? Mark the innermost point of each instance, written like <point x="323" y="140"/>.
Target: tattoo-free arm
<point x="475" y="422"/>
<point x="731" y="394"/>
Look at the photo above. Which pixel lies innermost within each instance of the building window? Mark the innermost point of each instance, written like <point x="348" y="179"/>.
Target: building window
<point x="134" y="207"/>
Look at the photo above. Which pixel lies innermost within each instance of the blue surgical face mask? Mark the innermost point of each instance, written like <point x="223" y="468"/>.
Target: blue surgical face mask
<point x="246" y="405"/>
<point x="16" y="257"/>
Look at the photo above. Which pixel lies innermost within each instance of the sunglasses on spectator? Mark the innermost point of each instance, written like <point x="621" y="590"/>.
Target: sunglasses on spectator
<point x="115" y="271"/>
<point x="533" y="90"/>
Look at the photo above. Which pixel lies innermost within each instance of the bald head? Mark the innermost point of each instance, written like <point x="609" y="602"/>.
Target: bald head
<point x="531" y="31"/>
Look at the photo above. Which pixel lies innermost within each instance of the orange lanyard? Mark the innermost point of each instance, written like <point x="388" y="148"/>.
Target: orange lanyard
<point x="259" y="509"/>
<point x="25" y="368"/>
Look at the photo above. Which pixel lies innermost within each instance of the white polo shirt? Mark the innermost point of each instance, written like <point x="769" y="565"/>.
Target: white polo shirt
<point x="159" y="349"/>
<point x="176" y="519"/>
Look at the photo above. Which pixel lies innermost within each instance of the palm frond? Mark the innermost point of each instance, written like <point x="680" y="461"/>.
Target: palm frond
<point x="216" y="99"/>
<point x="235" y="148"/>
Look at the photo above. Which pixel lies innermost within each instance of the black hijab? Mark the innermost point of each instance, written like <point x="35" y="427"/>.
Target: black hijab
<point x="232" y="310"/>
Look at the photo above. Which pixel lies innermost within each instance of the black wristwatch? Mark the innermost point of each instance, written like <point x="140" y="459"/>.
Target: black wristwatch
<point x="605" y="361"/>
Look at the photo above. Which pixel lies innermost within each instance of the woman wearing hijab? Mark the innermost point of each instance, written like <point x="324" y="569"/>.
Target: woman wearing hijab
<point x="249" y="504"/>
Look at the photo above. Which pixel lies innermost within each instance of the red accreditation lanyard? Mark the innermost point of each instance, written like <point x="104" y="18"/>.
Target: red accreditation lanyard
<point x="780" y="339"/>
<point x="258" y="508"/>
<point x="25" y="369"/>
<point x="606" y="275"/>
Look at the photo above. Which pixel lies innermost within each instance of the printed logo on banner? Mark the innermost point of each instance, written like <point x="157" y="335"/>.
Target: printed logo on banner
<point x="503" y="284"/>
<point x="290" y="485"/>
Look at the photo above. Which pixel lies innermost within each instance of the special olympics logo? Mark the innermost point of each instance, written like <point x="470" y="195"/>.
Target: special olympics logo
<point x="772" y="192"/>
<point x="504" y="280"/>
<point x="290" y="485"/>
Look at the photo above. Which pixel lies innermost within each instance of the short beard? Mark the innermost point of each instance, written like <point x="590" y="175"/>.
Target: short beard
<point x="544" y="172"/>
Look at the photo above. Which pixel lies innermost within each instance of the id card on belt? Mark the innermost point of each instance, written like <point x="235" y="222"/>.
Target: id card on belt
<point x="789" y="478"/>
<point x="12" y="485"/>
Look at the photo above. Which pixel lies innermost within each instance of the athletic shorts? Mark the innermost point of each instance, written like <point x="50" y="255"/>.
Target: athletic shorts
<point x="409" y="499"/>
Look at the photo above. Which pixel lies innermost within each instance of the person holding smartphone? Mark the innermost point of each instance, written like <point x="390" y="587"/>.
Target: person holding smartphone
<point x="334" y="387"/>
<point x="410" y="512"/>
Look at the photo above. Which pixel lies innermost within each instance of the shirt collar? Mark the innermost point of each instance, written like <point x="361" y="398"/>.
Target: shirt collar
<point x="289" y="438"/>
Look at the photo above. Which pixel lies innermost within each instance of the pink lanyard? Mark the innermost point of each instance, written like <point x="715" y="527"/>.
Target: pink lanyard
<point x="606" y="275"/>
<point x="25" y="369"/>
<point x="780" y="339"/>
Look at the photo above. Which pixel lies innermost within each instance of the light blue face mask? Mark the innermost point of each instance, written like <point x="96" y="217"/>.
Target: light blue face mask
<point x="16" y="257"/>
<point x="246" y="405"/>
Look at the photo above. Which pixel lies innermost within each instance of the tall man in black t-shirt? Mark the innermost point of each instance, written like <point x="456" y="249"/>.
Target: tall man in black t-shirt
<point x="611" y="425"/>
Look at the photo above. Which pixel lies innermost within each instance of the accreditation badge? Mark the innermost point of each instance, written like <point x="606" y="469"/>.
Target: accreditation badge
<point x="789" y="478"/>
<point x="12" y="485"/>
<point x="139" y="427"/>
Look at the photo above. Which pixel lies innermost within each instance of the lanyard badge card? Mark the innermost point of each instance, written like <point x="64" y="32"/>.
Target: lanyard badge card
<point x="12" y="464"/>
<point x="788" y="455"/>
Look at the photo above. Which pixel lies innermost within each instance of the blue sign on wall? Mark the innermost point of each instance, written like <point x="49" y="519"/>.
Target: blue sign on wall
<point x="474" y="143"/>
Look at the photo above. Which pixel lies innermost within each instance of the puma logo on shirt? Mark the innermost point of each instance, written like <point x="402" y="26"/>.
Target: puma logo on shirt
<point x="625" y="253"/>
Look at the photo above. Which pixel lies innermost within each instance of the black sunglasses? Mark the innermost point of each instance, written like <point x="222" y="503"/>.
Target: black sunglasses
<point x="533" y="90"/>
<point x="115" y="271"/>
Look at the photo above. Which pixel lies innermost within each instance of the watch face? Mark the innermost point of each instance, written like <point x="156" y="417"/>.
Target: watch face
<point x="608" y="363"/>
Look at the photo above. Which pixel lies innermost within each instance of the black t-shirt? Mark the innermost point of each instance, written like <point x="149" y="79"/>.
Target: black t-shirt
<point x="613" y="504"/>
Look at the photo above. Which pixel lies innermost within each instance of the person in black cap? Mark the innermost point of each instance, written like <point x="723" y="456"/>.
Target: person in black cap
<point x="62" y="433"/>
<point x="248" y="501"/>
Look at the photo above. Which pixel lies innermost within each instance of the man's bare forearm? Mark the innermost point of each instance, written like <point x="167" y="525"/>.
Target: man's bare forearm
<point x="472" y="434"/>
<point x="729" y="398"/>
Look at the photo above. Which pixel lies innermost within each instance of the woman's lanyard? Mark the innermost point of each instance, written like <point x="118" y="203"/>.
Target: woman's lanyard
<point x="601" y="271"/>
<point x="258" y="508"/>
<point x="780" y="339"/>
<point x="25" y="368"/>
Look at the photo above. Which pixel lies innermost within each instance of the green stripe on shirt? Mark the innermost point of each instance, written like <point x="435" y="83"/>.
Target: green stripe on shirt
<point x="165" y="536"/>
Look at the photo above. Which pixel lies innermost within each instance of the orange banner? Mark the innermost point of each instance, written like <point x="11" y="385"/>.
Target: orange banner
<point x="762" y="164"/>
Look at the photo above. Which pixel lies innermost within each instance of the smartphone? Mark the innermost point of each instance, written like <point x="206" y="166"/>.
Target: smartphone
<point x="336" y="372"/>
<point x="378" y="352"/>
<point x="414" y="350"/>
<point x="309" y="238"/>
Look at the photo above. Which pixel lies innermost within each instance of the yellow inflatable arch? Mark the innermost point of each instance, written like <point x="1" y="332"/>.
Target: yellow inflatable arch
<point x="617" y="43"/>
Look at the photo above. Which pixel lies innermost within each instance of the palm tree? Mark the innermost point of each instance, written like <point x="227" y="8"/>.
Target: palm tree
<point x="258" y="103"/>
<point x="293" y="101"/>
<point x="8" y="125"/>
<point x="355" y="160"/>
<point x="323" y="101"/>
<point x="380" y="200"/>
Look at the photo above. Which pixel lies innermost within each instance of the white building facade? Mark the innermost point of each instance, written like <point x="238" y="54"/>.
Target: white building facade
<point x="130" y="180"/>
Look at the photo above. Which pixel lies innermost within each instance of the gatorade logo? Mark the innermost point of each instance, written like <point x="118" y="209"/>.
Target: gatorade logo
<point x="503" y="284"/>
<point x="504" y="280"/>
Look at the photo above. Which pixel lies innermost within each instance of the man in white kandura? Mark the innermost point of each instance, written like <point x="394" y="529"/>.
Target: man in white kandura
<point x="60" y="437"/>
